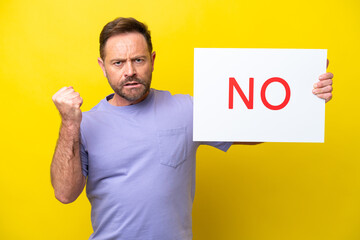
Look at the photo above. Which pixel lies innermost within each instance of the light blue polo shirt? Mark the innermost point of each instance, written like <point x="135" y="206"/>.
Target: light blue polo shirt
<point x="140" y="166"/>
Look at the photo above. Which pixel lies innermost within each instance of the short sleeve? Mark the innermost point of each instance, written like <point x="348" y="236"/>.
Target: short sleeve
<point x="84" y="158"/>
<point x="223" y="146"/>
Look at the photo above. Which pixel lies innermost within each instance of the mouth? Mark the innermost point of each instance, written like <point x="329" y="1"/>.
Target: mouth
<point x="132" y="84"/>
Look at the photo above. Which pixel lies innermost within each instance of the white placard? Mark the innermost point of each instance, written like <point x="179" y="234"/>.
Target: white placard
<point x="282" y="107"/>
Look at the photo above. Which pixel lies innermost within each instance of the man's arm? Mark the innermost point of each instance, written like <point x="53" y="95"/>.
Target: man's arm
<point x="66" y="174"/>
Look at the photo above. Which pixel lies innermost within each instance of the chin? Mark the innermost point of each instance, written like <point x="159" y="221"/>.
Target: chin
<point x="134" y="97"/>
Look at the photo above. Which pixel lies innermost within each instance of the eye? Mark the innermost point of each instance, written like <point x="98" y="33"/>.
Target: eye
<point x="117" y="63"/>
<point x="139" y="60"/>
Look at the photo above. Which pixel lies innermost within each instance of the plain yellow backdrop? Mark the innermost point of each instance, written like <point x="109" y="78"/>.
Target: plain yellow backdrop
<point x="272" y="191"/>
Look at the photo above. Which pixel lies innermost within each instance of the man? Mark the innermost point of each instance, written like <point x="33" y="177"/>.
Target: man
<point x="134" y="149"/>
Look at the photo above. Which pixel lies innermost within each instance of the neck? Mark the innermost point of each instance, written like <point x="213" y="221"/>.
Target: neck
<point x="118" y="101"/>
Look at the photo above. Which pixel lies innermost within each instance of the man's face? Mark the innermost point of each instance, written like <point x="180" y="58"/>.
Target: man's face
<point x="128" y="67"/>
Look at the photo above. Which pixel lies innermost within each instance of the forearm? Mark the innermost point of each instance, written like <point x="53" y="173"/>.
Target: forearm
<point x="66" y="174"/>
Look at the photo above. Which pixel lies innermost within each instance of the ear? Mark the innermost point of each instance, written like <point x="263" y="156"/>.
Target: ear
<point x="102" y="65"/>
<point x="153" y="55"/>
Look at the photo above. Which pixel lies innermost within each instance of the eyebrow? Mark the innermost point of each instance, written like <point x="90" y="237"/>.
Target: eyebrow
<point x="124" y="59"/>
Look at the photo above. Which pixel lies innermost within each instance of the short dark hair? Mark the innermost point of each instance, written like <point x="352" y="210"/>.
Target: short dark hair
<point x="123" y="25"/>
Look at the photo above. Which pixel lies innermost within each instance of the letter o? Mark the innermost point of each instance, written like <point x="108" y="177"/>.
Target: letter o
<point x="287" y="94"/>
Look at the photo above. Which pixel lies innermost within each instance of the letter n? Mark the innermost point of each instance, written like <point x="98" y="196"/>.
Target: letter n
<point x="248" y="102"/>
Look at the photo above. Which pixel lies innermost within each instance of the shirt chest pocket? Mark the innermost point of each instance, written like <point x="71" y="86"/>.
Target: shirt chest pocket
<point x="173" y="148"/>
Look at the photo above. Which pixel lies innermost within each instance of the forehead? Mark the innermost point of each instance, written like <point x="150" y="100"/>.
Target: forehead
<point x="126" y="45"/>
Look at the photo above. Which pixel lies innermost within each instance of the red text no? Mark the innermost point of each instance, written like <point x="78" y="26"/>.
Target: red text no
<point x="249" y="102"/>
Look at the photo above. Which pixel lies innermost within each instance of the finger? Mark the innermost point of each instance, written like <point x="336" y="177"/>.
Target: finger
<point x="68" y="93"/>
<point x="70" y="100"/>
<point x="59" y="92"/>
<point x="323" y="83"/>
<point x="326" y="96"/>
<point x="72" y="95"/>
<point x="327" y="89"/>
<point x="327" y="63"/>
<point x="64" y="89"/>
<point x="327" y="75"/>
<point x="76" y="102"/>
<point x="79" y="102"/>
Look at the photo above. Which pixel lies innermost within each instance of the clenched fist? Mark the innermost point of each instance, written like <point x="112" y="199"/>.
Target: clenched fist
<point x="68" y="102"/>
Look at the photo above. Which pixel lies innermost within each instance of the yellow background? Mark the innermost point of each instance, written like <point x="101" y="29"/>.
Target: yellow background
<point x="271" y="191"/>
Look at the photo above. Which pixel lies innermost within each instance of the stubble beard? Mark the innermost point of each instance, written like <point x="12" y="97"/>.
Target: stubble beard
<point x="133" y="94"/>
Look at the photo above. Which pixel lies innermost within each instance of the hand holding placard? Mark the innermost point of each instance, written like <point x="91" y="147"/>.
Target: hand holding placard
<point x="257" y="95"/>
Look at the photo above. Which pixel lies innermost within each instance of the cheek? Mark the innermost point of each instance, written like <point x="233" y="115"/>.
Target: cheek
<point x="114" y="75"/>
<point x="147" y="71"/>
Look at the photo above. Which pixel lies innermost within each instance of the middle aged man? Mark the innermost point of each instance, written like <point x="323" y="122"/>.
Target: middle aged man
<point x="134" y="149"/>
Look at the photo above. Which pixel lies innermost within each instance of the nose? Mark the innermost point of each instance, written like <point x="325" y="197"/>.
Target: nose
<point x="129" y="70"/>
